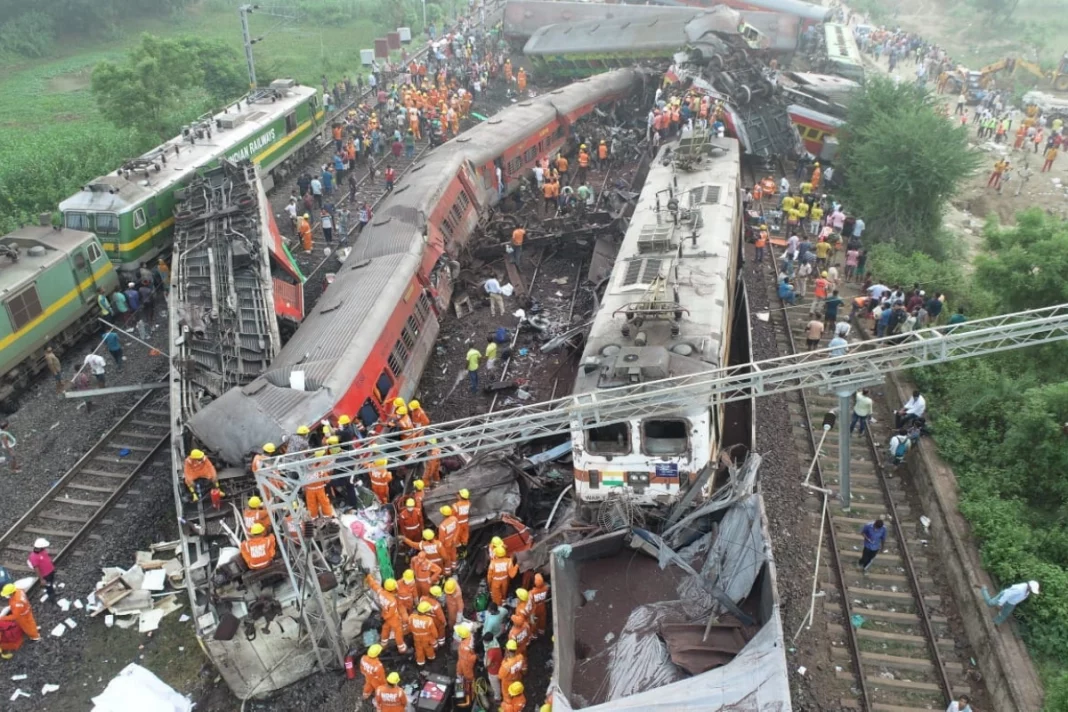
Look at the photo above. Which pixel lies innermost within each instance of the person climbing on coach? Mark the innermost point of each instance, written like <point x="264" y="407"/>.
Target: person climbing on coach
<point x="259" y="549"/>
<point x="199" y="474"/>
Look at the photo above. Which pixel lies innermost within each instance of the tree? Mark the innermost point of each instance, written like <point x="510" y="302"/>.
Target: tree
<point x="903" y="162"/>
<point x="1027" y="265"/>
<point x="162" y="82"/>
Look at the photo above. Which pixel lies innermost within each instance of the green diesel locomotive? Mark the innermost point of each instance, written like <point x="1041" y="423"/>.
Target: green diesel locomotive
<point x="49" y="279"/>
<point x="132" y="208"/>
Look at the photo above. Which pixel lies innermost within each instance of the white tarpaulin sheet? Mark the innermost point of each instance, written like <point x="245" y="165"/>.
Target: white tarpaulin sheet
<point x="135" y="688"/>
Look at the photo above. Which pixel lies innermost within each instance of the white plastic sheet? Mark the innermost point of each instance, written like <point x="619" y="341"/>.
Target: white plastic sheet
<point x="135" y="688"/>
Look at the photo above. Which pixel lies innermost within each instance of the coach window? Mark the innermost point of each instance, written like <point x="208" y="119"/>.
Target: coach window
<point x="514" y="166"/>
<point x="77" y="221"/>
<point x="382" y="386"/>
<point x="24" y="307"/>
<point x="609" y="439"/>
<point x="368" y="414"/>
<point x="530" y="154"/>
<point x="107" y="224"/>
<point x="139" y="218"/>
<point x="291" y="122"/>
<point x="664" y="437"/>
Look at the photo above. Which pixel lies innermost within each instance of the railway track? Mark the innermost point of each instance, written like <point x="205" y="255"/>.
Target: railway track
<point x="77" y="501"/>
<point x="891" y="641"/>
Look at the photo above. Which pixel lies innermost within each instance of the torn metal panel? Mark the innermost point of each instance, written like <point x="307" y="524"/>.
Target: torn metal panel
<point x="492" y="484"/>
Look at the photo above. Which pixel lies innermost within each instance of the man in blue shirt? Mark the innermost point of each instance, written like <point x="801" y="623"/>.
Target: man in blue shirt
<point x="874" y="536"/>
<point x="111" y="340"/>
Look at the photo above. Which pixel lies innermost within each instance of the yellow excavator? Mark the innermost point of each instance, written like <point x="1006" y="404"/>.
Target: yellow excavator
<point x="1058" y="78"/>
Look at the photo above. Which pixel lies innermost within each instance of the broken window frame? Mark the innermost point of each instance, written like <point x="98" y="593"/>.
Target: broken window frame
<point x="626" y="449"/>
<point x="645" y="438"/>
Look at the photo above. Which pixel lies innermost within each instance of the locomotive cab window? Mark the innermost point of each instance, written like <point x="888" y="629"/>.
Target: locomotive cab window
<point x="153" y="211"/>
<point x="94" y="252"/>
<point x="139" y="218"/>
<point x="291" y="122"/>
<point x="609" y="439"/>
<point x="24" y="307"/>
<point x="665" y="437"/>
<point x="77" y="221"/>
<point x="107" y="224"/>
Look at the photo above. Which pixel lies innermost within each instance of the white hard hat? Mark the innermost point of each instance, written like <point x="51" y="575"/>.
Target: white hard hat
<point x="1033" y="585"/>
<point x="43" y="544"/>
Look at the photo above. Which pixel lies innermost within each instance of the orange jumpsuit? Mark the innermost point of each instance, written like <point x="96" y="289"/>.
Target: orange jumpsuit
<point x="374" y="675"/>
<point x="512" y="668"/>
<point x="305" y="230"/>
<point x="406" y="593"/>
<point x="410" y="522"/>
<point x="390" y="698"/>
<point x="430" y="549"/>
<point x="392" y="615"/>
<point x="513" y="704"/>
<point x="520" y="633"/>
<point x="521" y="80"/>
<point x="454" y="605"/>
<point x="315" y="496"/>
<point x="425" y="634"/>
<point x="465" y="664"/>
<point x="462" y="509"/>
<point x="540" y="596"/>
<point x="257" y="516"/>
<point x="22" y="614"/>
<point x="199" y="470"/>
<point x="258" y="551"/>
<point x="419" y="417"/>
<point x="427" y="574"/>
<point x="438" y="614"/>
<point x="501" y="571"/>
<point x="447" y="533"/>
<point x="380" y="479"/>
<point x="815" y="180"/>
<point x="432" y="468"/>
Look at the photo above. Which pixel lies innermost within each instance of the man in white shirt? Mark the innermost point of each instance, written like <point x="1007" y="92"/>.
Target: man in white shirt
<point x="961" y="704"/>
<point x="915" y="408"/>
<point x="858" y="228"/>
<point x="539" y="176"/>
<point x="496" y="296"/>
<point x="96" y="363"/>
<point x="1009" y="598"/>
<point x="291" y="211"/>
<point x="842" y="328"/>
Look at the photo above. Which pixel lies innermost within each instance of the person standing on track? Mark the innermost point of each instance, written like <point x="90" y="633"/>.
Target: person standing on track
<point x="7" y="446"/>
<point x="874" y="535"/>
<point x="41" y="563"/>
<point x="55" y="368"/>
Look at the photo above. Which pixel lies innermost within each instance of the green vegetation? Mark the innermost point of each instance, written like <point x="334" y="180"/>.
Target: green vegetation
<point x="904" y="162"/>
<point x="999" y="421"/>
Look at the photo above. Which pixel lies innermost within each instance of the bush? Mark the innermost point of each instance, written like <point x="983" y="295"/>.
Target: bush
<point x="31" y="34"/>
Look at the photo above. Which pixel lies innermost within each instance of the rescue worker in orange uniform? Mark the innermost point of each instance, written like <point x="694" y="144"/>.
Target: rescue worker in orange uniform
<point x="402" y="424"/>
<point x="540" y="596"/>
<point x="524" y="606"/>
<point x="437" y="611"/>
<point x="462" y="509"/>
<point x="602" y="153"/>
<point x="418" y="415"/>
<point x="432" y="466"/>
<point x="502" y="569"/>
<point x="259" y="549"/>
<point x="373" y="671"/>
<point x="266" y="452"/>
<point x="417" y="495"/>
<point x="816" y="175"/>
<point x="520" y="633"/>
<point x="410" y="520"/>
<point x="380" y="479"/>
<point x="256" y="514"/>
<point x="583" y="162"/>
<point x="427" y="573"/>
<point x="429" y="547"/>
<point x="514" y="699"/>
<point x="465" y="663"/>
<point x="424" y="632"/>
<point x="561" y="167"/>
<point x="513" y="666"/>
<point x="391" y="696"/>
<point x="315" y="494"/>
<point x="304" y="228"/>
<point x="521" y="80"/>
<point x="447" y="532"/>
<point x="198" y="467"/>
<point x="407" y="592"/>
<point x="454" y="601"/>
<point x="392" y="615"/>
<point x="21" y="612"/>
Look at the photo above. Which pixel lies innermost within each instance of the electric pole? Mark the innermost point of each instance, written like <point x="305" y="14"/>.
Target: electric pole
<point x="244" y="11"/>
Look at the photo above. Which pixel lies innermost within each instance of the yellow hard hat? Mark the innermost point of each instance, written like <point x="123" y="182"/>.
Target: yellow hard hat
<point x="402" y="410"/>
<point x="496" y="541"/>
<point x="499" y="551"/>
<point x="320" y="453"/>
<point x="390" y="584"/>
<point x="197" y="455"/>
<point x="8" y="591"/>
<point x="302" y="430"/>
<point x="515" y="689"/>
<point x="446" y="510"/>
<point x="409" y="576"/>
<point x="307" y="217"/>
<point x="419" y="485"/>
<point x="450" y="586"/>
<point x="255" y="502"/>
<point x="433" y="441"/>
<point x="344" y="420"/>
<point x="464" y="494"/>
<point x="463" y="632"/>
<point x="393" y="678"/>
<point x="333" y="440"/>
<point x="582" y="146"/>
<point x="397" y="402"/>
<point x="257" y="529"/>
<point x="823" y="274"/>
<point x="435" y="591"/>
<point x="546" y="708"/>
<point x="428" y="534"/>
<point x="269" y="448"/>
<point x="763" y="227"/>
<point x="409" y="502"/>
<point x="381" y="462"/>
<point x="511" y="645"/>
<point x="816" y="164"/>
<point x="414" y="405"/>
<point x="522" y="594"/>
<point x="424" y="607"/>
<point x="374" y="651"/>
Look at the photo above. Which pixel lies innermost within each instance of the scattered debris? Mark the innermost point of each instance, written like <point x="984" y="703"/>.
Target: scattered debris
<point x="48" y="688"/>
<point x="137" y="688"/>
<point x="19" y="693"/>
